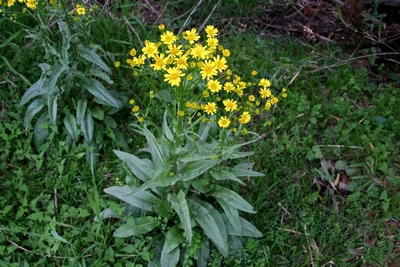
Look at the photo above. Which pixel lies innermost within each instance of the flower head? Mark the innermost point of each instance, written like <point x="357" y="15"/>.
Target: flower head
<point x="214" y="86"/>
<point x="208" y="70"/>
<point x="230" y="105"/>
<point x="224" y="122"/>
<point x="173" y="76"/>
<point x="265" y="83"/>
<point x="210" y="108"/>
<point x="245" y="117"/>
<point x="211" y="31"/>
<point x="150" y="49"/>
<point x="191" y="36"/>
<point x="168" y="37"/>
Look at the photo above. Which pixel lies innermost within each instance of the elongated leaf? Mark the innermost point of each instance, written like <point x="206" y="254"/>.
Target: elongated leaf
<point x="209" y="226"/>
<point x="218" y="220"/>
<point x="222" y="175"/>
<point x="155" y="149"/>
<point x="163" y="180"/>
<point x="203" y="254"/>
<point x="237" y="154"/>
<point x="231" y="197"/>
<point x="32" y="110"/>
<point x="180" y="205"/>
<point x="173" y="239"/>
<point x="58" y="237"/>
<point x="81" y="110"/>
<point x="232" y="214"/>
<point x="15" y="72"/>
<point x="170" y="259"/>
<point x="141" y="226"/>
<point x="163" y="209"/>
<point x="230" y="150"/>
<point x="40" y="132"/>
<point x="72" y="127"/>
<point x="91" y="56"/>
<point x="98" y="90"/>
<point x="110" y="122"/>
<point x="55" y="73"/>
<point x="247" y="229"/>
<point x="166" y="131"/>
<point x="143" y="200"/>
<point x="243" y="172"/>
<point x="194" y="170"/>
<point x="6" y="42"/>
<point x="31" y="93"/>
<point x="137" y="166"/>
<point x="53" y="108"/>
<point x="101" y="75"/>
<point x="87" y="127"/>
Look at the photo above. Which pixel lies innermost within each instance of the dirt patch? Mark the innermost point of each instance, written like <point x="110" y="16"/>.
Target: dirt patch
<point x="360" y="29"/>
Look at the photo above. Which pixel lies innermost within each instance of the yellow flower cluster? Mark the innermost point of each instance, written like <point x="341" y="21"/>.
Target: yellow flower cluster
<point x="31" y="4"/>
<point x="200" y="79"/>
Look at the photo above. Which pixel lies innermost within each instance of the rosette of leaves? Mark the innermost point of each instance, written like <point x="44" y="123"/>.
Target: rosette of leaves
<point x="71" y="90"/>
<point x="183" y="200"/>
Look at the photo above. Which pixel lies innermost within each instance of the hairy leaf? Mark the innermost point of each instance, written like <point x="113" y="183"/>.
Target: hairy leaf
<point x="170" y="259"/>
<point x="232" y="214"/>
<point x="98" y="90"/>
<point x="222" y="175"/>
<point x="32" y="110"/>
<point x="195" y="169"/>
<point x="173" y="239"/>
<point x="231" y="197"/>
<point x="137" y="166"/>
<point x="180" y="205"/>
<point x="138" y="226"/>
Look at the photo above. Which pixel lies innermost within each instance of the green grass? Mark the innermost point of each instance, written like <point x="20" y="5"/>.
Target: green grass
<point x="333" y="113"/>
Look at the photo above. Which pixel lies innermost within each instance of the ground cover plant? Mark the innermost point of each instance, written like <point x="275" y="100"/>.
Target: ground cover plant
<point x="329" y="150"/>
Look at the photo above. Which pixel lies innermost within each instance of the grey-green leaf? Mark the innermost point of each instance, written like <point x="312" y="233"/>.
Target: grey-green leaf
<point x="72" y="127"/>
<point x="209" y="226"/>
<point x="232" y="214"/>
<point x="173" y="239"/>
<point x="195" y="169"/>
<point x="221" y="175"/>
<point x="98" y="90"/>
<point x="32" y="92"/>
<point x="91" y="56"/>
<point x="170" y="259"/>
<point x="143" y="200"/>
<point x="231" y="197"/>
<point x="247" y="229"/>
<point x="180" y="205"/>
<point x="81" y="110"/>
<point x="53" y="108"/>
<point x="163" y="180"/>
<point x="137" y="166"/>
<point x="32" y="110"/>
<point x="141" y="226"/>
<point x="87" y="127"/>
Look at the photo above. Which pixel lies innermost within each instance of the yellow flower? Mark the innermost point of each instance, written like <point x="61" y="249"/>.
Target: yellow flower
<point x="265" y="83"/>
<point x="229" y="72"/>
<point x="230" y="105"/>
<point x="211" y="31"/>
<point x="267" y="105"/>
<point x="226" y="52"/>
<point x="160" y="62"/>
<point x="214" y="86"/>
<point x="210" y="108"/>
<point x="224" y="122"/>
<point x="173" y="76"/>
<point x="31" y="4"/>
<point x="274" y="100"/>
<point x="206" y="93"/>
<point x="199" y="51"/>
<point x="245" y="117"/>
<point x="191" y="35"/>
<point x="161" y="27"/>
<point x="189" y="77"/>
<point x="251" y="98"/>
<point x="168" y="37"/>
<point x="117" y="64"/>
<point x="80" y="10"/>
<point x="131" y="101"/>
<point x="208" y="70"/>
<point x="193" y="105"/>
<point x="181" y="62"/>
<point x="220" y="63"/>
<point x="254" y="73"/>
<point x="284" y="95"/>
<point x="229" y="87"/>
<point x="150" y="49"/>
<point x="181" y="113"/>
<point x="132" y="52"/>
<point x="151" y="95"/>
<point x="265" y="93"/>
<point x="239" y="91"/>
<point x="135" y="109"/>
<point x="212" y="42"/>
<point x="283" y="90"/>
<point x="135" y="73"/>
<point x="140" y="119"/>
<point x="174" y="50"/>
<point x="139" y="60"/>
<point x="220" y="47"/>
